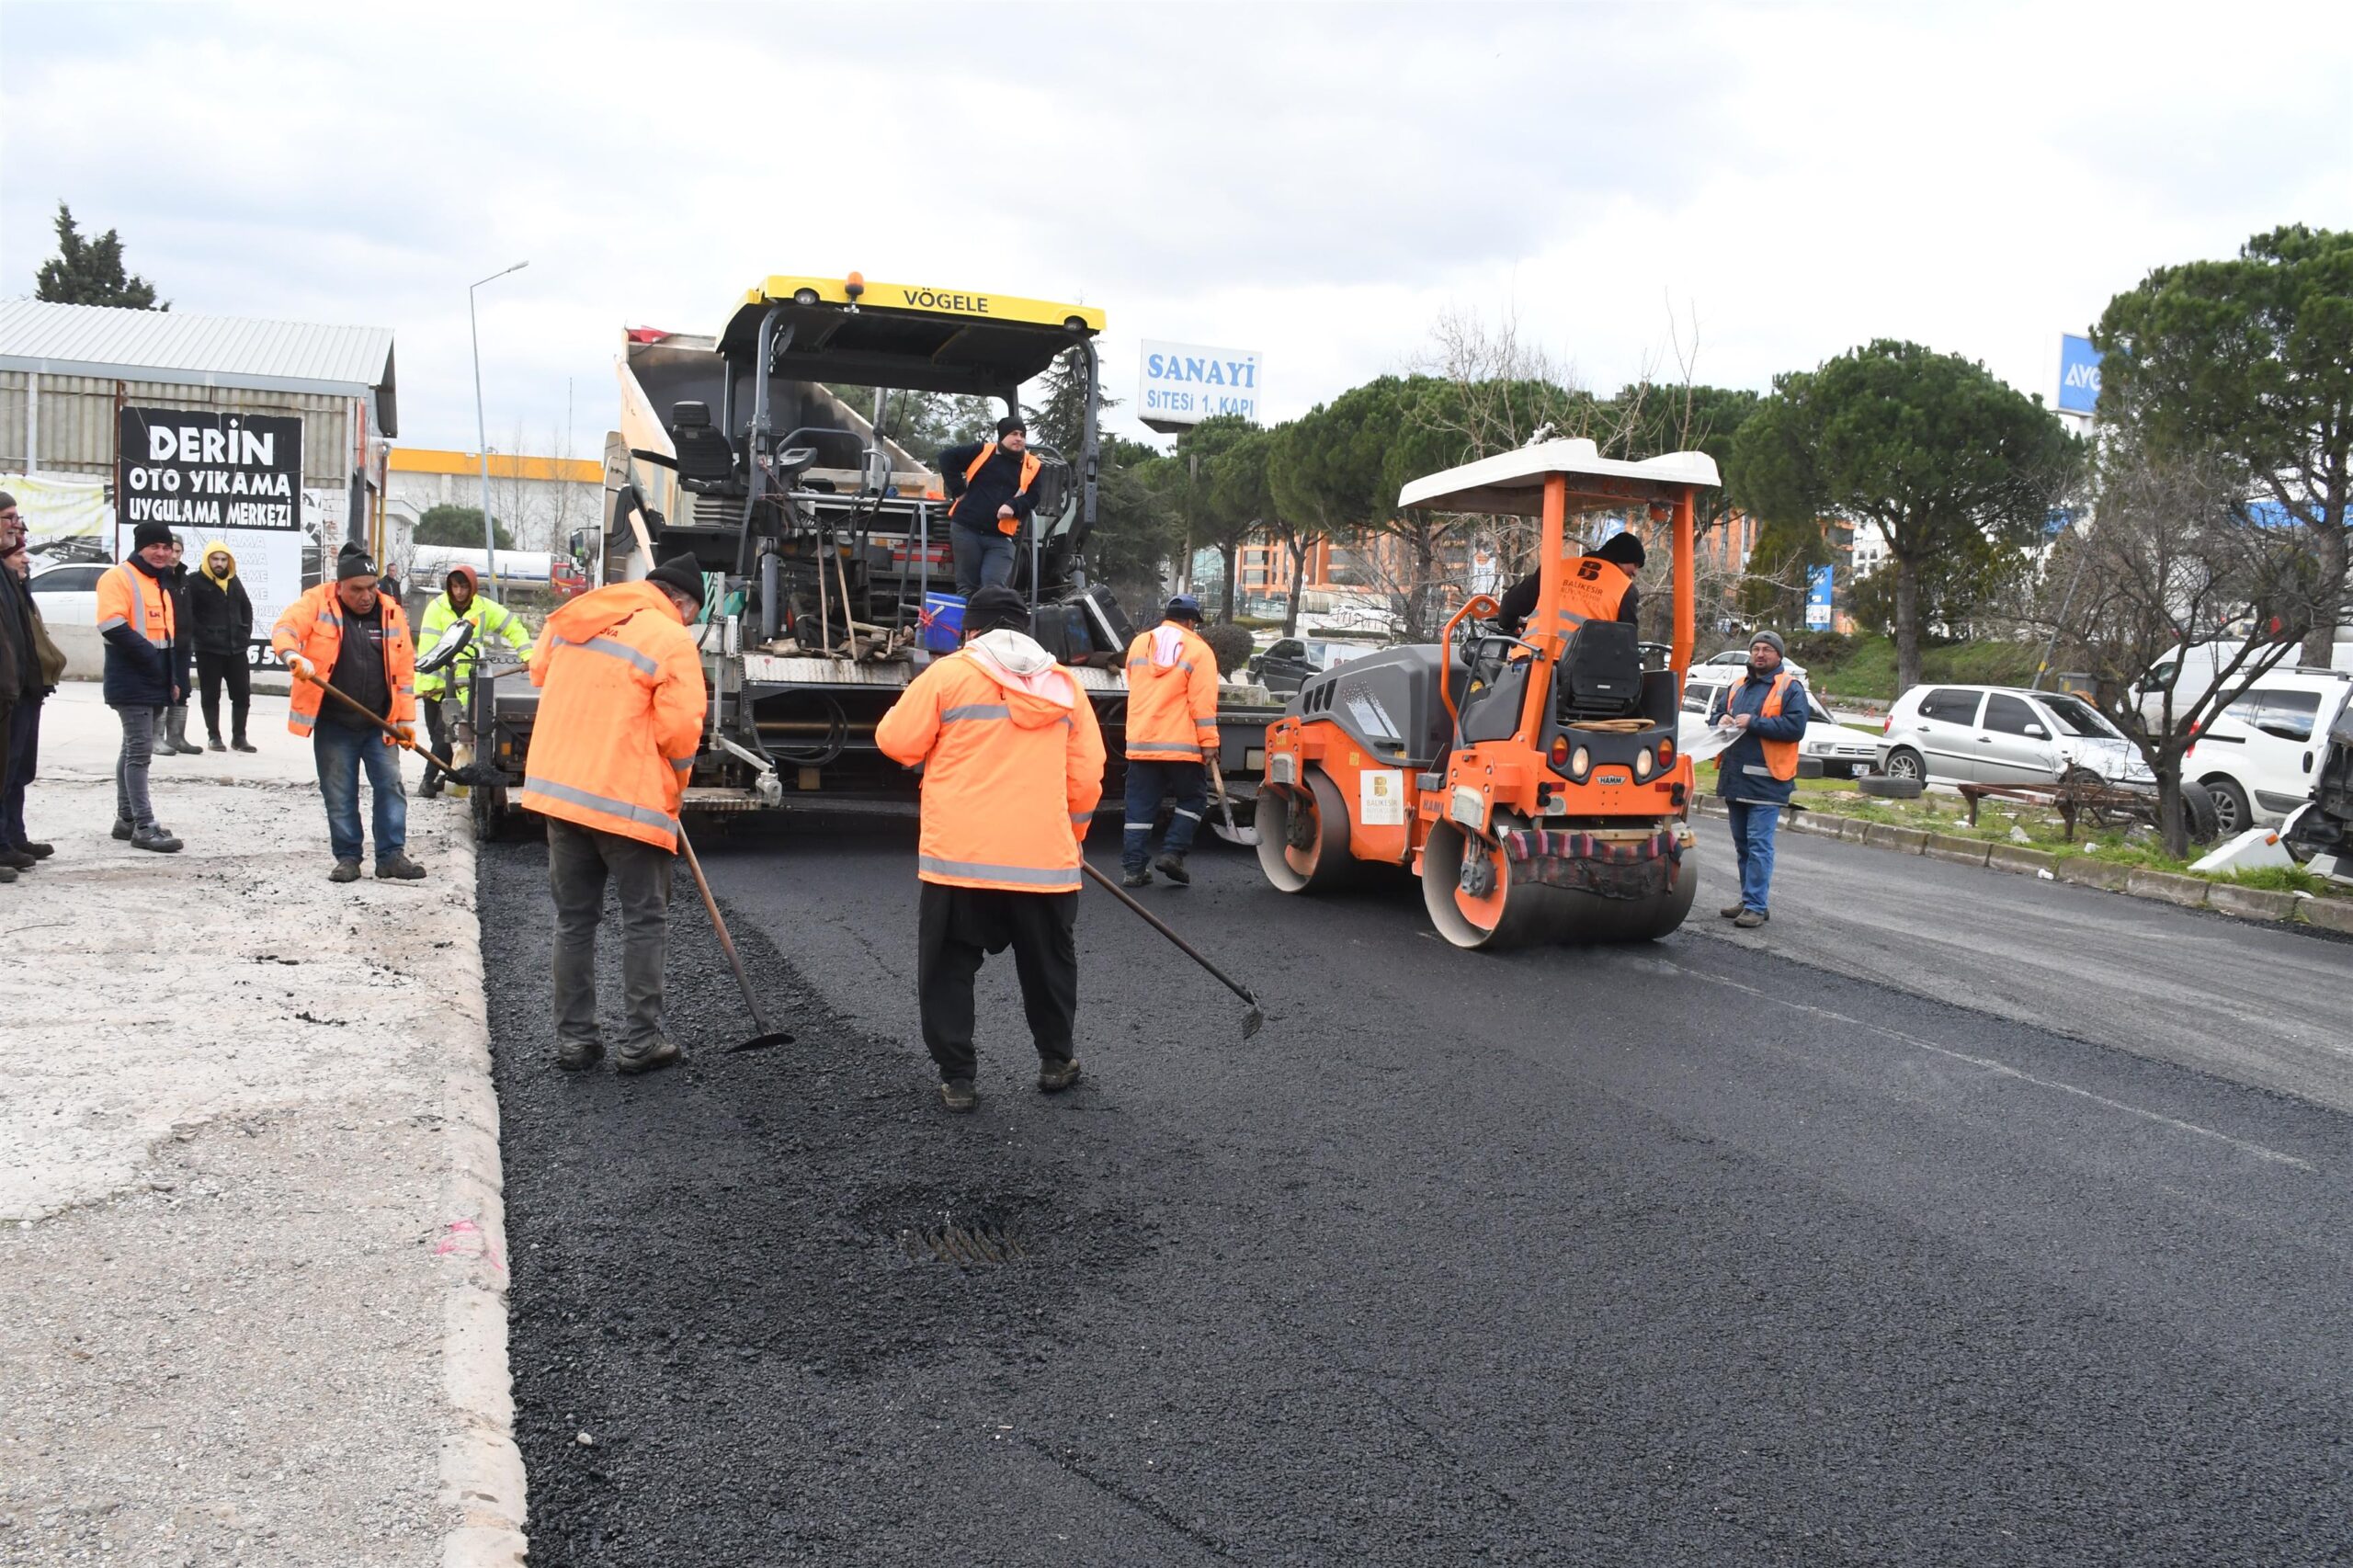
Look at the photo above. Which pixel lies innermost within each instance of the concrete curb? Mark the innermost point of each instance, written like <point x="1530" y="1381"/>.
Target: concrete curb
<point x="2166" y="887"/>
<point x="481" y="1469"/>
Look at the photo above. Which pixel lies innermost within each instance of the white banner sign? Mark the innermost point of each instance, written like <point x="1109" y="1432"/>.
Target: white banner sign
<point x="1184" y="383"/>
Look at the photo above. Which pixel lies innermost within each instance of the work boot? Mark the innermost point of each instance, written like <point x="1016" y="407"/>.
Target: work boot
<point x="6" y="876"/>
<point x="176" y="733"/>
<point x="1053" y="1077"/>
<point x="123" y="829"/>
<point x="398" y="867"/>
<point x="646" y="1057"/>
<point x="1731" y="911"/>
<point x="214" y="742"/>
<point x="16" y="860"/>
<point x="1139" y="877"/>
<point x="429" y="788"/>
<point x="1172" y="865"/>
<point x="958" y="1095"/>
<point x="1750" y="919"/>
<point x="579" y="1055"/>
<point x="37" y="851"/>
<point x="239" y="743"/>
<point x="154" y="836"/>
<point x="345" y="871"/>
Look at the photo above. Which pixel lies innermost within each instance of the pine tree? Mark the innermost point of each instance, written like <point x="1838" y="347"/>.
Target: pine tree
<point x="89" y="272"/>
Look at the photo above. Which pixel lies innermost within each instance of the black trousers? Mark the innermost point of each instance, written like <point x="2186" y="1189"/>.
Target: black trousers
<point x="212" y="671"/>
<point x="958" y="928"/>
<point x="23" y="761"/>
<point x="437" y="735"/>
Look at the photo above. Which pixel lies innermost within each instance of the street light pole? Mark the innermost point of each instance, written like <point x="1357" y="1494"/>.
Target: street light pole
<point x="482" y="430"/>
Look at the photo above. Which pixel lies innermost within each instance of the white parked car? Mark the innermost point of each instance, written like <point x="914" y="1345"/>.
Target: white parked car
<point x="1728" y="665"/>
<point x="1843" y="752"/>
<point x="1995" y="734"/>
<point x="68" y="595"/>
<point x="2260" y="757"/>
<point x="2198" y="664"/>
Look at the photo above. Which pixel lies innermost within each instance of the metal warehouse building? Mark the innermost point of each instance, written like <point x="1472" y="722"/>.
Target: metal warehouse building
<point x="67" y="370"/>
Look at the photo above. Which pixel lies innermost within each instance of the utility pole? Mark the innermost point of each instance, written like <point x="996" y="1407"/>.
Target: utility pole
<point x="481" y="429"/>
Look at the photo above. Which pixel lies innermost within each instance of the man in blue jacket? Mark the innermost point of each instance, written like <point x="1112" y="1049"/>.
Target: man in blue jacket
<point x="1757" y="773"/>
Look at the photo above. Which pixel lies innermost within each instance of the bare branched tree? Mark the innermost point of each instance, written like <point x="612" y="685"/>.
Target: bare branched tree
<point x="2170" y="557"/>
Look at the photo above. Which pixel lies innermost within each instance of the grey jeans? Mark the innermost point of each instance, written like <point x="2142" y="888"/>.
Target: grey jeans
<point x="579" y="861"/>
<point x="131" y="803"/>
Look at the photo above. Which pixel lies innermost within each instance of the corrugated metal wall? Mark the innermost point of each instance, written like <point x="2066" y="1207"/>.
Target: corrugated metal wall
<point x="77" y="423"/>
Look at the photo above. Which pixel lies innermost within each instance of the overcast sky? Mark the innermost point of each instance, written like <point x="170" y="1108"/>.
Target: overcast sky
<point x="1316" y="182"/>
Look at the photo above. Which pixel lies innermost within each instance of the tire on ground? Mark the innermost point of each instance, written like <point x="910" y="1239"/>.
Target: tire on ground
<point x="1888" y="789"/>
<point x="2199" y="813"/>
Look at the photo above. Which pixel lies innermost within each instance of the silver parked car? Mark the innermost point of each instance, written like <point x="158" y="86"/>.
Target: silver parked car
<point x="1995" y="734"/>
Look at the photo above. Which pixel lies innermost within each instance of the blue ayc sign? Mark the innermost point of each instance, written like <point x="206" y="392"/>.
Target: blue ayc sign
<point x="2078" y="375"/>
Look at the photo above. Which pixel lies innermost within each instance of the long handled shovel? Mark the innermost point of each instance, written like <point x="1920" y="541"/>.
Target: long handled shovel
<point x="1252" y="1021"/>
<point x="767" y="1037"/>
<point x="1246" y="837"/>
<point x="472" y="773"/>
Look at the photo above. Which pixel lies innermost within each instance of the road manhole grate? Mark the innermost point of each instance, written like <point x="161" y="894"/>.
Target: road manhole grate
<point x="972" y="1245"/>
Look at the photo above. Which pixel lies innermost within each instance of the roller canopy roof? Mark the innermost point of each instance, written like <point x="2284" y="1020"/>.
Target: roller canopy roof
<point x="1512" y="484"/>
<point x="910" y="336"/>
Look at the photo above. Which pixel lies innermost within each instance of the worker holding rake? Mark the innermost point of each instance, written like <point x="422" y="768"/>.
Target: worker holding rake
<point x="1013" y="771"/>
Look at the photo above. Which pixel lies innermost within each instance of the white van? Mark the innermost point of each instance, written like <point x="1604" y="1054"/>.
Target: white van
<point x="2261" y="755"/>
<point x="2198" y="663"/>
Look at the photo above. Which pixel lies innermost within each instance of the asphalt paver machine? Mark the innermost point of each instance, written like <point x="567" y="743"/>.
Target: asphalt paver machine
<point x="825" y="544"/>
<point x="1531" y="781"/>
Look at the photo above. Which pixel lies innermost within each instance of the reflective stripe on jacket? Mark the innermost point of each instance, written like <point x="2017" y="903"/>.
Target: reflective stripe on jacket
<point x="1013" y="771"/>
<point x="1172" y="695"/>
<point x="1591" y="589"/>
<point x="313" y="627"/>
<point x="140" y="622"/>
<point x="488" y="618"/>
<point x="1763" y="764"/>
<point x="622" y="707"/>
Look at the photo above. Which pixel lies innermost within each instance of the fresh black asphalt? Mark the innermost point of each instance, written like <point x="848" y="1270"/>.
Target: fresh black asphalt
<point x="1693" y="1253"/>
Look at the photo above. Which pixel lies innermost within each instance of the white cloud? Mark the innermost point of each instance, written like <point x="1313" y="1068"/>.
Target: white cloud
<point x="1316" y="182"/>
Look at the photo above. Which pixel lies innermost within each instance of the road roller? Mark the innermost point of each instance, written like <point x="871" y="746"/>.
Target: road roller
<point x="1526" y="775"/>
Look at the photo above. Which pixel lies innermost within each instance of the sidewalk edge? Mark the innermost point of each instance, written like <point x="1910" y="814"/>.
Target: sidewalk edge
<point x="481" y="1470"/>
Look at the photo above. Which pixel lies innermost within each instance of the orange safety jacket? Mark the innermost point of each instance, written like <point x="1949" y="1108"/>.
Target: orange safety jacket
<point x="622" y="710"/>
<point x="1029" y="467"/>
<point x="1172" y="695"/>
<point x="1591" y="589"/>
<point x="140" y="622"/>
<point x="313" y="627"/>
<point x="1780" y="756"/>
<point x="1012" y="766"/>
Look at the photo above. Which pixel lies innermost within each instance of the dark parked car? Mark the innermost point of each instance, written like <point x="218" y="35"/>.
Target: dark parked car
<point x="1291" y="662"/>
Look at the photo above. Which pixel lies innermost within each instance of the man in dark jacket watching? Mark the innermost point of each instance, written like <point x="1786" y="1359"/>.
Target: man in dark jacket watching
<point x="992" y="490"/>
<point x="146" y="673"/>
<point x="1757" y="773"/>
<point x="221" y="619"/>
<point x="20" y="673"/>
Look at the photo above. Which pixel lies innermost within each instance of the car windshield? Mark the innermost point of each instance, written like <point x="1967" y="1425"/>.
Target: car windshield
<point x="2077" y="717"/>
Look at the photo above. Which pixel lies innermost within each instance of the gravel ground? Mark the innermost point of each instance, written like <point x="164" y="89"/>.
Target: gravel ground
<point x="222" y="1160"/>
<point x="1684" y="1254"/>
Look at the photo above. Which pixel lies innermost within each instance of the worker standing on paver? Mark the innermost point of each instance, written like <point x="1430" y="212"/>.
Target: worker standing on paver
<point x="146" y="671"/>
<point x="347" y="634"/>
<point x="622" y="710"/>
<point x="1171" y="740"/>
<point x="990" y="496"/>
<point x="1013" y="771"/>
<point x="1756" y="774"/>
<point x="459" y="603"/>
